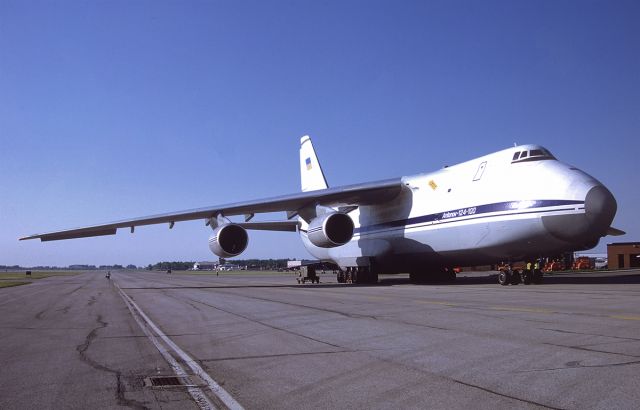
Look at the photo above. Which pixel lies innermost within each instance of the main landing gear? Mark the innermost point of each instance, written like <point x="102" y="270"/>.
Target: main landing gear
<point x="516" y="276"/>
<point x="357" y="274"/>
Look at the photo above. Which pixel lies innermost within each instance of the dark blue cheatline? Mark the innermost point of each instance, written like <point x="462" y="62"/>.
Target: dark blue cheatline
<point x="472" y="212"/>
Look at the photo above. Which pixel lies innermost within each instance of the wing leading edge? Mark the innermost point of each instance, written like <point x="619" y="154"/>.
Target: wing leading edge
<point x="350" y="195"/>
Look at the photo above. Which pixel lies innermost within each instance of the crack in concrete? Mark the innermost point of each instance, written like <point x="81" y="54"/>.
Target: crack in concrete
<point x="590" y="334"/>
<point x="593" y="350"/>
<point x="578" y="365"/>
<point x="267" y="325"/>
<point x="120" y="388"/>
<point x="64" y="310"/>
<point x="269" y="356"/>
<point x="454" y="380"/>
<point x="337" y="312"/>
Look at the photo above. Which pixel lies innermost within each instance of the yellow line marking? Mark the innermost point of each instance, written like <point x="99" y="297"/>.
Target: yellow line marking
<point x="625" y="317"/>
<point x="512" y="309"/>
<point x="434" y="302"/>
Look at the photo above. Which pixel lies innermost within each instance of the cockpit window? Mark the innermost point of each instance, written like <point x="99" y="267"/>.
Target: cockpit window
<point x="537" y="154"/>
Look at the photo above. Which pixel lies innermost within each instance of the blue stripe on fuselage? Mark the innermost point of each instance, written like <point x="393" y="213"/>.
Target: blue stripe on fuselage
<point x="472" y="212"/>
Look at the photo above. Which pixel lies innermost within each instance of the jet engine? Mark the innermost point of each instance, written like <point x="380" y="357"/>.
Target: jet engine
<point x="228" y="240"/>
<point x="330" y="230"/>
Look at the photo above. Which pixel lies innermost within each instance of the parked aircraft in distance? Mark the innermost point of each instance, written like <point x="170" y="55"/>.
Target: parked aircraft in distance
<point x="515" y="204"/>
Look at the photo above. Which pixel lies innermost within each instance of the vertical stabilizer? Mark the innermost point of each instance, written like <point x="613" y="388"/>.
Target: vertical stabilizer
<point x="311" y="175"/>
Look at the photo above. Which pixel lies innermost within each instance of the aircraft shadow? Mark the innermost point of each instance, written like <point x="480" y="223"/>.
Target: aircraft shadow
<point x="613" y="278"/>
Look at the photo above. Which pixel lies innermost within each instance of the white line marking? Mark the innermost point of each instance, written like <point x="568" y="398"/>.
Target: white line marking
<point x="197" y="394"/>
<point x="215" y="388"/>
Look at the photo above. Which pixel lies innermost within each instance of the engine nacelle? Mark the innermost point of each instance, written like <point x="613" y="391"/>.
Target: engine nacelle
<point x="330" y="230"/>
<point x="228" y="240"/>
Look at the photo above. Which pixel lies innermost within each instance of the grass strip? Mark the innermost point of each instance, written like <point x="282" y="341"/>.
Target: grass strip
<point x="7" y="284"/>
<point x="35" y="274"/>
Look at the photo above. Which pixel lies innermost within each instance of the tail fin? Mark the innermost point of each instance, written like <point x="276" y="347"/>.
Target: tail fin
<point x="311" y="175"/>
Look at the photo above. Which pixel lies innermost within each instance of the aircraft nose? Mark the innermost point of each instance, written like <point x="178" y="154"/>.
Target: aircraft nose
<point x="585" y="229"/>
<point x="600" y="207"/>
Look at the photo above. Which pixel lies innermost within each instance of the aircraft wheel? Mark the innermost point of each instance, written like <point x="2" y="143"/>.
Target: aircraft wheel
<point x="537" y="277"/>
<point x="503" y="278"/>
<point x="416" y="277"/>
<point x="374" y="277"/>
<point x="515" y="277"/>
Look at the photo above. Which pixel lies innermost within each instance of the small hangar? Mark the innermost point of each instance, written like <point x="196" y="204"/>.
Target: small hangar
<point x="623" y="255"/>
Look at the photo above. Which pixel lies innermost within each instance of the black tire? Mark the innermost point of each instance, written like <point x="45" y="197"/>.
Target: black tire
<point x="374" y="277"/>
<point x="503" y="278"/>
<point x="537" y="277"/>
<point x="515" y="277"/>
<point x="415" y="277"/>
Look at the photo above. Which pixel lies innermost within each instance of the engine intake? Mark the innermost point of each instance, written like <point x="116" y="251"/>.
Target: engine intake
<point x="330" y="230"/>
<point x="228" y="240"/>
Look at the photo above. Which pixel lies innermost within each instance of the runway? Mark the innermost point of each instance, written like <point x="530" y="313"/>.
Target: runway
<point x="73" y="342"/>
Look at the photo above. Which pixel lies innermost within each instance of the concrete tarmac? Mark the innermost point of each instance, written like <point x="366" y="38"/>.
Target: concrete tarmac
<point x="570" y="343"/>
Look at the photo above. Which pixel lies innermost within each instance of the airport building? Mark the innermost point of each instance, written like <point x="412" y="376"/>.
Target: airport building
<point x="623" y="255"/>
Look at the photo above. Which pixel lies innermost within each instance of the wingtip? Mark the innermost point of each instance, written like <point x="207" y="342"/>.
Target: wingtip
<point x="304" y="139"/>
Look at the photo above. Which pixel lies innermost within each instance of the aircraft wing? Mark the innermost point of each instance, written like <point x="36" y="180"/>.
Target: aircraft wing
<point x="350" y="195"/>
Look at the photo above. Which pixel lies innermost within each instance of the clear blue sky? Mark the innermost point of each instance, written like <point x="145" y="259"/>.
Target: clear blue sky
<point x="117" y="109"/>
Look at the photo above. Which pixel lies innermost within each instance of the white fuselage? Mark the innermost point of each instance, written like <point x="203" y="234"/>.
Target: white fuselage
<point x="481" y="211"/>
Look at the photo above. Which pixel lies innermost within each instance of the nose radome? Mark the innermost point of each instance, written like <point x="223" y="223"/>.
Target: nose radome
<point x="585" y="229"/>
<point x="600" y="207"/>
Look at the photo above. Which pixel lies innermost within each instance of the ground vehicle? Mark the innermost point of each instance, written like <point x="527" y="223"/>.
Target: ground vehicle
<point x="554" y="265"/>
<point x="308" y="273"/>
<point x="601" y="263"/>
<point x="583" y="262"/>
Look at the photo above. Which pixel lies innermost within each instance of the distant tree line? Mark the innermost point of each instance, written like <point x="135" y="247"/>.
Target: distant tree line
<point x="171" y="265"/>
<point x="70" y="267"/>
<point x="251" y="264"/>
<point x="261" y="264"/>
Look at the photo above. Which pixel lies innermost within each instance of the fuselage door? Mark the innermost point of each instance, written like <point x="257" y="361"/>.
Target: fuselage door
<point x="480" y="171"/>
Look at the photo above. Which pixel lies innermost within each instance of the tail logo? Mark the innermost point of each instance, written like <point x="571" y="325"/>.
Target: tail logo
<point x="308" y="162"/>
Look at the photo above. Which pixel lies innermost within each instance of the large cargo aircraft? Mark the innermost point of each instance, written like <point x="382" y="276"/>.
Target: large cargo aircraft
<point x="516" y="204"/>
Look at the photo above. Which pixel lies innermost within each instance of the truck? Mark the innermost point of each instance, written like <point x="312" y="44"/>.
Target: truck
<point x="308" y="273"/>
<point x="582" y="263"/>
